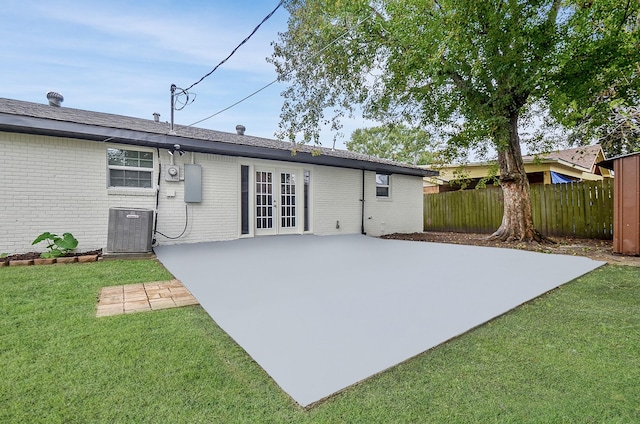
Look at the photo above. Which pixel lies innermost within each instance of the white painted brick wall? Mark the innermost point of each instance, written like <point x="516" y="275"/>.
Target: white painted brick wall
<point x="216" y="217"/>
<point x="60" y="185"/>
<point x="49" y="184"/>
<point x="336" y="193"/>
<point x="401" y="213"/>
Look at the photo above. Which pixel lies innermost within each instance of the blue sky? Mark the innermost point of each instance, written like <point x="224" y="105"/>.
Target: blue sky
<point x="122" y="57"/>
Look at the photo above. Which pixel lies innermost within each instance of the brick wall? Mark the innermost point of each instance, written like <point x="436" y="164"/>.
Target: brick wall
<point x="337" y="193"/>
<point x="60" y="185"/>
<point x="336" y="198"/>
<point x="400" y="213"/>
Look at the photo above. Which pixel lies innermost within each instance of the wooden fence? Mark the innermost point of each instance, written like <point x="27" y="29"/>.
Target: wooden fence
<point x="582" y="210"/>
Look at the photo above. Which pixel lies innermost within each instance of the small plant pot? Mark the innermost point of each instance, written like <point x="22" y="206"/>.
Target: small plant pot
<point x="87" y="258"/>
<point x="21" y="262"/>
<point x="67" y="260"/>
<point x="44" y="261"/>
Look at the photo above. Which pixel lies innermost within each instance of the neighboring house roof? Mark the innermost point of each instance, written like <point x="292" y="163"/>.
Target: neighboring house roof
<point x="581" y="163"/>
<point x="609" y="162"/>
<point x="586" y="157"/>
<point x="43" y="119"/>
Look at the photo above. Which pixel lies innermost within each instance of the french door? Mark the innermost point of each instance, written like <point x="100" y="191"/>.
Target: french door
<point x="276" y="202"/>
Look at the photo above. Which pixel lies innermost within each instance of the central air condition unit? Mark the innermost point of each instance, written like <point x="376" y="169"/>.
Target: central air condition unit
<point x="130" y="230"/>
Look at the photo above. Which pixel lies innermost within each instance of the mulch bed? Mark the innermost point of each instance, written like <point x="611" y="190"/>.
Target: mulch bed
<point x="600" y="250"/>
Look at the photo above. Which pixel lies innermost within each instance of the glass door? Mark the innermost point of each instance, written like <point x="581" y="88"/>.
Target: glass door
<point x="265" y="203"/>
<point x="276" y="202"/>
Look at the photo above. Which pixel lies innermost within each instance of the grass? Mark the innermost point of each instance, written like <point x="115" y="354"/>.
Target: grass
<point x="570" y="356"/>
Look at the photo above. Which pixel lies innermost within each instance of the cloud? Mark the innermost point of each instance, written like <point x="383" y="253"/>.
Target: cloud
<point x="200" y="37"/>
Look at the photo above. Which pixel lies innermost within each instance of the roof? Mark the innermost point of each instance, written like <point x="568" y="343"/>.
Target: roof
<point x="609" y="162"/>
<point x="43" y="119"/>
<point x="584" y="157"/>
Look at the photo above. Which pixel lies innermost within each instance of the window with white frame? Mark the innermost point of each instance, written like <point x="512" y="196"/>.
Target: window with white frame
<point x="383" y="185"/>
<point x="130" y="168"/>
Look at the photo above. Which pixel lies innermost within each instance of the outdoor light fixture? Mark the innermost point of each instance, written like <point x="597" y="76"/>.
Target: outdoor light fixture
<point x="176" y="148"/>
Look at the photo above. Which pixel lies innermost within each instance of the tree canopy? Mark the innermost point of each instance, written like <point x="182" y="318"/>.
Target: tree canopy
<point x="471" y="67"/>
<point x="395" y="142"/>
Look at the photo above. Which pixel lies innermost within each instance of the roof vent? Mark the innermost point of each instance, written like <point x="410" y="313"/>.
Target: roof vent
<point x="240" y="129"/>
<point x="156" y="117"/>
<point x="55" y="99"/>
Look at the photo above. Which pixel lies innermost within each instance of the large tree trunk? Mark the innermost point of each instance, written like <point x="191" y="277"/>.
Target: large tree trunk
<point x="517" y="221"/>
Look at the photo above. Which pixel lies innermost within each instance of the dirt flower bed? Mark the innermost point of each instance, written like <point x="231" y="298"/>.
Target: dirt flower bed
<point x="600" y="250"/>
<point x="36" y="255"/>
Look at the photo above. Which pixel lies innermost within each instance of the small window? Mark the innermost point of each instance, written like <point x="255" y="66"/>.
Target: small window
<point x="130" y="168"/>
<point x="382" y="185"/>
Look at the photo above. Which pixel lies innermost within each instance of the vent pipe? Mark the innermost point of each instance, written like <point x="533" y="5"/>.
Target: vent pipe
<point x="156" y="117"/>
<point x="240" y="129"/>
<point x="55" y="99"/>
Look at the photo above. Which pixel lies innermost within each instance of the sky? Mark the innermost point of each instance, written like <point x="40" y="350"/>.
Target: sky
<point x="121" y="57"/>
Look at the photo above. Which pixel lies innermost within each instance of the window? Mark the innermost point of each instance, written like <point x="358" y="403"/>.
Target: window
<point x="130" y="168"/>
<point x="382" y="185"/>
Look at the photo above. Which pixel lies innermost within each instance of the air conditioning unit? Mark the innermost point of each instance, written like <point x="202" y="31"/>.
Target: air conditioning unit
<point x="130" y="230"/>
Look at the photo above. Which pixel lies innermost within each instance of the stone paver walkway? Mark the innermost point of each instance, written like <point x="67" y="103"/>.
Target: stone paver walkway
<point x="142" y="297"/>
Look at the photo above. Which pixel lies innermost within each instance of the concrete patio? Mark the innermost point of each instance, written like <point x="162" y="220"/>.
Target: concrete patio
<point x="322" y="313"/>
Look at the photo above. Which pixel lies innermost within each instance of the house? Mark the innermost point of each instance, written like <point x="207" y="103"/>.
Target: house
<point x="626" y="205"/>
<point x="68" y="170"/>
<point x="559" y="166"/>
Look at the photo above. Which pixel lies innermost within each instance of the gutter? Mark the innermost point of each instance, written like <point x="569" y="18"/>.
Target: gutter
<point x="47" y="127"/>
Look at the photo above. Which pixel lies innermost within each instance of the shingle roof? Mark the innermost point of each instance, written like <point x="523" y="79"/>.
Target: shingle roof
<point x="584" y="157"/>
<point x="608" y="163"/>
<point x="94" y="125"/>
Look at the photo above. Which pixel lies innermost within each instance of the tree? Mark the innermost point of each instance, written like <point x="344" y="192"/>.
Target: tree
<point x="395" y="142"/>
<point x="619" y="134"/>
<point x="596" y="92"/>
<point x="475" y="66"/>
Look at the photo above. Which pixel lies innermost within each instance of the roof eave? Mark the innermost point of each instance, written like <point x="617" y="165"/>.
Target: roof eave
<point x="47" y="127"/>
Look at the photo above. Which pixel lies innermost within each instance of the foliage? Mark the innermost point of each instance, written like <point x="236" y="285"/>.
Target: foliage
<point x="571" y="355"/>
<point x="58" y="246"/>
<point x="596" y="92"/>
<point x="394" y="142"/>
<point x="471" y="68"/>
<point x="462" y="64"/>
<point x="618" y="135"/>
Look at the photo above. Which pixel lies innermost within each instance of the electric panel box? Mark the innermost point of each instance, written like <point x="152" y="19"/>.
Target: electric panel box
<point x="192" y="183"/>
<point x="130" y="230"/>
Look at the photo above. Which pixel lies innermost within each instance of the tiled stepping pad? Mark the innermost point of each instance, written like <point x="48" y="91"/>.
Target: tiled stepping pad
<point x="143" y="297"/>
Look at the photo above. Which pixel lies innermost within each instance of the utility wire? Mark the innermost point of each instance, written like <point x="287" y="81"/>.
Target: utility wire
<point x="318" y="53"/>
<point x="236" y="103"/>
<point x="234" y="50"/>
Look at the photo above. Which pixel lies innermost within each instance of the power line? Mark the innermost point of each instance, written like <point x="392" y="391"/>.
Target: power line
<point x="340" y="37"/>
<point x="234" y="50"/>
<point x="235" y="104"/>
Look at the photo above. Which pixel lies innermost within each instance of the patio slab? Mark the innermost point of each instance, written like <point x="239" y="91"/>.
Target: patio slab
<point x="320" y="314"/>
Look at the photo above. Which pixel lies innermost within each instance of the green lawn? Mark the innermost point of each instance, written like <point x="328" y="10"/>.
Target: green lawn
<point x="571" y="356"/>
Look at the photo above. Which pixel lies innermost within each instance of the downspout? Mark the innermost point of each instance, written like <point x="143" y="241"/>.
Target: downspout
<point x="362" y="214"/>
<point x="155" y="223"/>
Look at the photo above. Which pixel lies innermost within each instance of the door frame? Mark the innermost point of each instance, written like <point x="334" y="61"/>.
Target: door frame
<point x="276" y="171"/>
